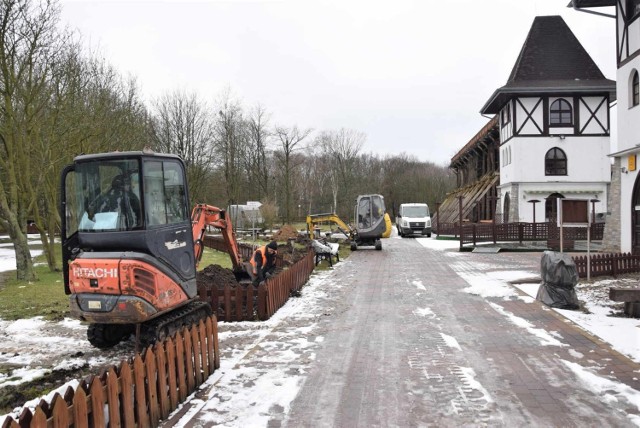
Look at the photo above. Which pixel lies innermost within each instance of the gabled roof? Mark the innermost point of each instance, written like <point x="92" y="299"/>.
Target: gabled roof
<point x="551" y="61"/>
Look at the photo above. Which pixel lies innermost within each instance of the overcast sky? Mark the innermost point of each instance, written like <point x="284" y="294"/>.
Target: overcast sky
<point x="411" y="74"/>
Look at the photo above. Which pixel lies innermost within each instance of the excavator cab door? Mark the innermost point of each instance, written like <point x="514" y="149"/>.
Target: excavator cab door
<point x="69" y="224"/>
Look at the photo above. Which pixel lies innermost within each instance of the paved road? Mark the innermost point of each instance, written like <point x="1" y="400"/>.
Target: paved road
<point x="391" y="339"/>
<point x="411" y="349"/>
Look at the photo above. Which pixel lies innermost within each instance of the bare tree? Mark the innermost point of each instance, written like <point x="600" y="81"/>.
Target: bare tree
<point x="230" y="136"/>
<point x="342" y="147"/>
<point x="290" y="140"/>
<point x="181" y="124"/>
<point x="29" y="48"/>
<point x="257" y="162"/>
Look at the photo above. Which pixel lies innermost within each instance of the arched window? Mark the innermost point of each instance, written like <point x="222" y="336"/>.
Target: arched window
<point x="635" y="98"/>
<point x="555" y="162"/>
<point x="560" y="113"/>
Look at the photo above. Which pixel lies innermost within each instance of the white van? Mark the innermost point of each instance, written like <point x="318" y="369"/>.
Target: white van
<point x="413" y="219"/>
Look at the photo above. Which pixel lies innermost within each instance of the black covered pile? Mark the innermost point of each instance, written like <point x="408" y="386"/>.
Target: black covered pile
<point x="559" y="278"/>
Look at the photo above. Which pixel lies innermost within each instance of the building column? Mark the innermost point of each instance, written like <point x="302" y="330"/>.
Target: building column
<point x="516" y="200"/>
<point x="611" y="236"/>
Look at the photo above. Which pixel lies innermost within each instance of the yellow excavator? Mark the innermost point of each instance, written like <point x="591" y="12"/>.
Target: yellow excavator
<point x="372" y="222"/>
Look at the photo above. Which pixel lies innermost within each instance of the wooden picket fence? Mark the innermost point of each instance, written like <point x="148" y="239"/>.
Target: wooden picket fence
<point x="612" y="264"/>
<point x="140" y="392"/>
<point x="250" y="303"/>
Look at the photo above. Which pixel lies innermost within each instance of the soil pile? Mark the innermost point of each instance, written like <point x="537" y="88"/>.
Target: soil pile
<point x="285" y="233"/>
<point x="216" y="276"/>
<point x="291" y="254"/>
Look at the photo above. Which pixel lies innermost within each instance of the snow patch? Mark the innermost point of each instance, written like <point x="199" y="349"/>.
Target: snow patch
<point x="546" y="339"/>
<point x="451" y="341"/>
<point x="484" y="286"/>
<point x="418" y="284"/>
<point x="614" y="330"/>
<point x="424" y="312"/>
<point x="608" y="390"/>
<point x="470" y="378"/>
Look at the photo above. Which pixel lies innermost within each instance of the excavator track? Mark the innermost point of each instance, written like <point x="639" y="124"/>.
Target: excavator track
<point x="165" y="326"/>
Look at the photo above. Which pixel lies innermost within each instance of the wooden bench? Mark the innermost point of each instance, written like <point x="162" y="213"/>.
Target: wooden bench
<point x="322" y="254"/>
<point x="630" y="297"/>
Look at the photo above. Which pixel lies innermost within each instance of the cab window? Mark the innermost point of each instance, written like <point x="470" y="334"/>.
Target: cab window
<point x="164" y="193"/>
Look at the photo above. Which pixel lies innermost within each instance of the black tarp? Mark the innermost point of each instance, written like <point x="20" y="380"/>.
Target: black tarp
<point x="559" y="278"/>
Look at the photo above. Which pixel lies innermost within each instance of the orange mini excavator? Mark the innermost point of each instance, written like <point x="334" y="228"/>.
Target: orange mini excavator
<point x="130" y="248"/>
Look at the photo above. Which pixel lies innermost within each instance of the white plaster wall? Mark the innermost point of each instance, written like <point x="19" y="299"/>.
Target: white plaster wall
<point x="628" y="117"/>
<point x="634" y="36"/>
<point x="586" y="159"/>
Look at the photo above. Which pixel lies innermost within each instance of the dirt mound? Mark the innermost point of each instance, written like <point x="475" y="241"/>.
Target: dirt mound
<point x="290" y="253"/>
<point x="285" y="233"/>
<point x="216" y="276"/>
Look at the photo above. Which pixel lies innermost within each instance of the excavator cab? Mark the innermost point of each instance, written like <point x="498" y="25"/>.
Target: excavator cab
<point x="369" y="220"/>
<point x="127" y="242"/>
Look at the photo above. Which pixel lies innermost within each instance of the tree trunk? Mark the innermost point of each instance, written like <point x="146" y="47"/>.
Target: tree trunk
<point x="24" y="264"/>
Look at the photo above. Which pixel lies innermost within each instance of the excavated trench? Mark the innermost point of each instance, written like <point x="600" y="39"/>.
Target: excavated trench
<point x="288" y="254"/>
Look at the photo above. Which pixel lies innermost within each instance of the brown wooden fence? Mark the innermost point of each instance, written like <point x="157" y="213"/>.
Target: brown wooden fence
<point x="608" y="264"/>
<point x="140" y="392"/>
<point x="473" y="233"/>
<point x="250" y="303"/>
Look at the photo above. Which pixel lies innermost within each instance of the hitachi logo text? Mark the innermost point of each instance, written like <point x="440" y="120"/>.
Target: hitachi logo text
<point x="79" y="272"/>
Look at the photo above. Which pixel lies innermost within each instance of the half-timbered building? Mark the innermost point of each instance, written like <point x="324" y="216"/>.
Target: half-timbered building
<point x="553" y="121"/>
<point x="623" y="226"/>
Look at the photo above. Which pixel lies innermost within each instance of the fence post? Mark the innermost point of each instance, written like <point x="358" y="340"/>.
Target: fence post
<point x="520" y="232"/>
<point x="460" y="198"/>
<point x="493" y="230"/>
<point x="474" y="234"/>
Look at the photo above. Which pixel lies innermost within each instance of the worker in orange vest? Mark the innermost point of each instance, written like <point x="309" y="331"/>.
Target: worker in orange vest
<point x="263" y="262"/>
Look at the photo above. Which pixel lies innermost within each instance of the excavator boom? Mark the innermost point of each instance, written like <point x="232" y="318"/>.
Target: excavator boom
<point x="313" y="219"/>
<point x="207" y="215"/>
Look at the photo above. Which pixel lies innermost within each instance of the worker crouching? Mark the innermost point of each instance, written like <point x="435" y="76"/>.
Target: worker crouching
<point x="263" y="262"/>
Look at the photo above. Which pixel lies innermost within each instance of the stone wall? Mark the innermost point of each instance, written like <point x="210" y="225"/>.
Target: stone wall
<point x="611" y="237"/>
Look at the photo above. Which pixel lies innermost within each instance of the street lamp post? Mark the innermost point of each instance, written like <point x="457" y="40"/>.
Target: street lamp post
<point x="534" y="202"/>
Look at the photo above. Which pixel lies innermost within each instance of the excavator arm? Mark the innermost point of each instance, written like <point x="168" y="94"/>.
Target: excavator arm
<point x="313" y="219"/>
<point x="206" y="215"/>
